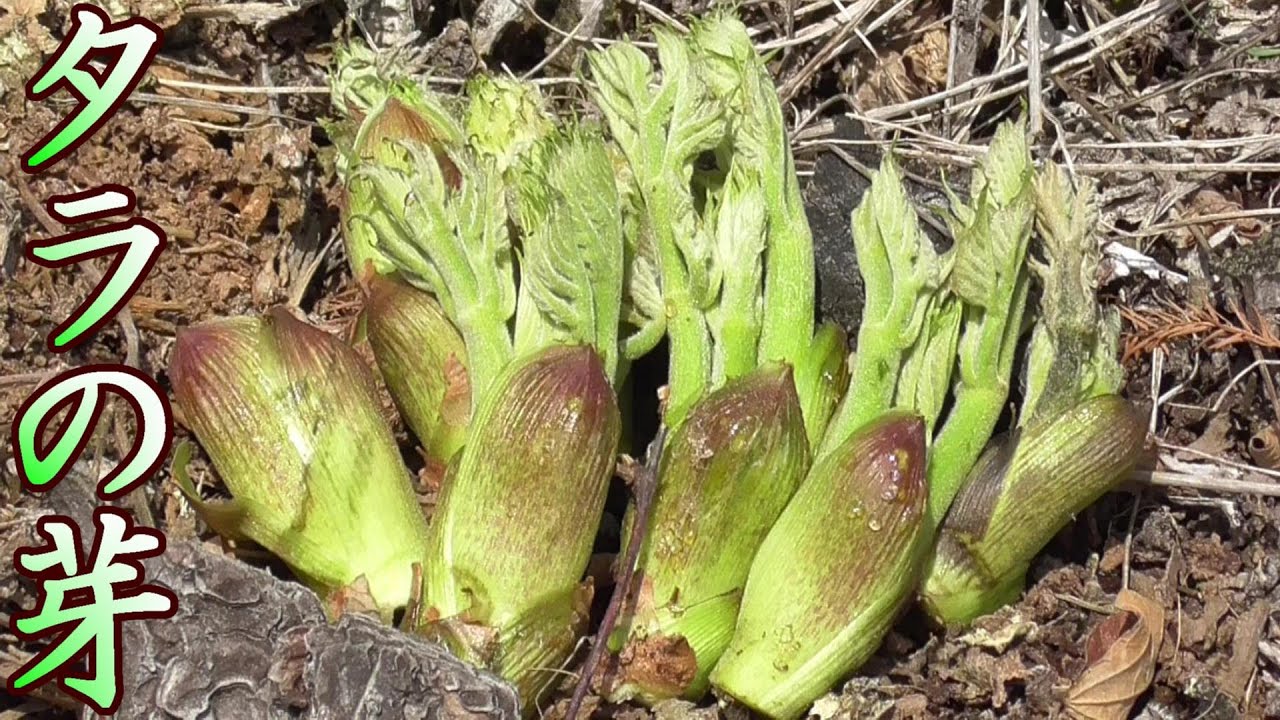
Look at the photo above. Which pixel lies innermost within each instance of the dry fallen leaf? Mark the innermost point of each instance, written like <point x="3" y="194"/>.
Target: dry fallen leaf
<point x="999" y="640"/>
<point x="901" y="76"/>
<point x="1121" y="660"/>
<point x="354" y="599"/>
<point x="926" y="60"/>
<point x="1209" y="202"/>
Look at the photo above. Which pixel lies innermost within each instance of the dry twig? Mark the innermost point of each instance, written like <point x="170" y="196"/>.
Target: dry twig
<point x="644" y="486"/>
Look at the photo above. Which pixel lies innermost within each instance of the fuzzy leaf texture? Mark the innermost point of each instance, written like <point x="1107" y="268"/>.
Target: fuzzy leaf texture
<point x="507" y="121"/>
<point x="407" y="215"/>
<point x="924" y="382"/>
<point x="361" y="82"/>
<point x="573" y="247"/>
<point x="505" y="118"/>
<point x="1074" y="347"/>
<point x="480" y="216"/>
<point x="661" y="132"/>
<point x="453" y="244"/>
<point x="991" y="242"/>
<point x="380" y="140"/>
<point x="725" y="477"/>
<point x="833" y="573"/>
<point x="643" y="310"/>
<point x="362" y="79"/>
<point x="696" y="125"/>
<point x="290" y="418"/>
<point x="358" y="80"/>
<point x="735" y="319"/>
<point x="1021" y="492"/>
<point x="989" y="276"/>
<point x="736" y="75"/>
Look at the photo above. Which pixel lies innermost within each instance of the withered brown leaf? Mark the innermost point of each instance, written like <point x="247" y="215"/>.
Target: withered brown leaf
<point x="1121" y="655"/>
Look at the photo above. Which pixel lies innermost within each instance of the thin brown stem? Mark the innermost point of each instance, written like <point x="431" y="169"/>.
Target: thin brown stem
<point x="643" y="487"/>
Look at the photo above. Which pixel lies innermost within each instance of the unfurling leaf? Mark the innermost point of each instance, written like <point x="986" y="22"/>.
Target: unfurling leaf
<point x="901" y="270"/>
<point x="505" y="118"/>
<point x="739" y="249"/>
<point x="989" y="276"/>
<point x="453" y="244"/>
<point x="662" y="128"/>
<point x="737" y="75"/>
<point x="406" y="117"/>
<point x="1073" y="349"/>
<point x="572" y="269"/>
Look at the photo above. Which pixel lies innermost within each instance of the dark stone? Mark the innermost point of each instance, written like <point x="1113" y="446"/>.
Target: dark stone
<point x="830" y="196"/>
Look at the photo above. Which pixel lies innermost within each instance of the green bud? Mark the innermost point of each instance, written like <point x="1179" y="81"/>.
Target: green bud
<point x="726" y="475"/>
<point x="833" y="573"/>
<point x="290" y="418"/>
<point x="362" y="79"/>
<point x="424" y="363"/>
<point x="359" y="79"/>
<point x="1020" y="493"/>
<point x="505" y="118"/>
<point x="397" y="121"/>
<point x="382" y="140"/>
<point x="519" y="512"/>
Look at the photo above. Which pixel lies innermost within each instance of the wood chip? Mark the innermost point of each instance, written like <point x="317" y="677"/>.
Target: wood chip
<point x="1244" y="650"/>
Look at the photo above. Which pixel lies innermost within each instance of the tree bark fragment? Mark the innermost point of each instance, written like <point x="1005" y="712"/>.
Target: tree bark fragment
<point x="245" y="644"/>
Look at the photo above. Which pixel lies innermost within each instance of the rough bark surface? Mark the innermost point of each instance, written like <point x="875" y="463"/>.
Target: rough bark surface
<point x="245" y="644"/>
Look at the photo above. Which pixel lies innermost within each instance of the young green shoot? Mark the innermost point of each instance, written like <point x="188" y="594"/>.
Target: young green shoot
<point x="902" y="271"/>
<point x="573" y="246"/>
<point x="736" y="75"/>
<point x="662" y="128"/>
<point x="1075" y="438"/>
<point x="989" y="277"/>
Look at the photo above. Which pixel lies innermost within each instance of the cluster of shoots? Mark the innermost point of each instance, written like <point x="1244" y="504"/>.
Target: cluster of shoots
<point x="514" y="265"/>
